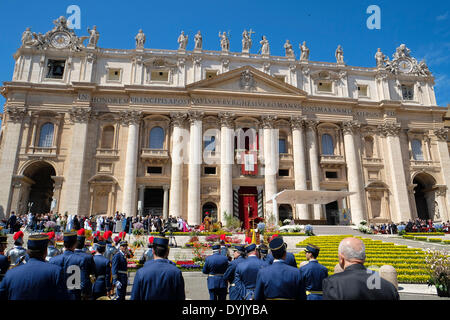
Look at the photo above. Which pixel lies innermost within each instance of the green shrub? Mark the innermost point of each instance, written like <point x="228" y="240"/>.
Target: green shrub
<point x="420" y="238"/>
<point x="446" y="241"/>
<point x="434" y="239"/>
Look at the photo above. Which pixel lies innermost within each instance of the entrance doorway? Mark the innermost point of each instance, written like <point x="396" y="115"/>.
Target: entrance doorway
<point x="153" y="201"/>
<point x="211" y="208"/>
<point x="332" y="212"/>
<point x="248" y="205"/>
<point x="41" y="192"/>
<point x="285" y="212"/>
<point x="424" y="196"/>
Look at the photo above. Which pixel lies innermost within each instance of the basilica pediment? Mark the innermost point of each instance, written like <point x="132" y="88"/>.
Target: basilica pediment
<point x="246" y="80"/>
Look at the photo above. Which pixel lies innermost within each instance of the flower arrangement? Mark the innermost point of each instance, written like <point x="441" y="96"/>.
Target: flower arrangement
<point x="138" y="229"/>
<point x="286" y="221"/>
<point x="401" y="229"/>
<point x="292" y="228"/>
<point x="309" y="231"/>
<point x="198" y="252"/>
<point x="364" y="228"/>
<point x="439" y="271"/>
<point x="49" y="226"/>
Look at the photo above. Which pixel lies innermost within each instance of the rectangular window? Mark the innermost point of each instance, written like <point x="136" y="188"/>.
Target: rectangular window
<point x="210" y="74"/>
<point x="154" y="170"/>
<point x="362" y="91"/>
<point x="55" y="69"/>
<point x="210" y="170"/>
<point x="283" y="172"/>
<point x="407" y="92"/>
<point x="331" y="174"/>
<point x="325" y="86"/>
<point x="282" y="146"/>
<point x="114" y="74"/>
<point x="159" y="75"/>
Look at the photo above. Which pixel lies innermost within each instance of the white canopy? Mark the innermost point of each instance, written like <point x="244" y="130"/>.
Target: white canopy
<point x="309" y="196"/>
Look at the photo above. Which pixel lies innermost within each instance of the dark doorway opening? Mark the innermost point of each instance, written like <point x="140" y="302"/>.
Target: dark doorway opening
<point x="41" y="192"/>
<point x="153" y="201"/>
<point x="211" y="208"/>
<point x="332" y="212"/>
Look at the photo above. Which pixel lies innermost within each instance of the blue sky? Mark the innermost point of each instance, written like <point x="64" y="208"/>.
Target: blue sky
<point x="424" y="26"/>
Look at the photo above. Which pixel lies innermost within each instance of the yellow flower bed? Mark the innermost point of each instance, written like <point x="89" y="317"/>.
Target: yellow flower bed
<point x="409" y="262"/>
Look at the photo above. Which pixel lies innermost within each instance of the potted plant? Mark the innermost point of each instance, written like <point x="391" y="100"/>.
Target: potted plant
<point x="438" y="263"/>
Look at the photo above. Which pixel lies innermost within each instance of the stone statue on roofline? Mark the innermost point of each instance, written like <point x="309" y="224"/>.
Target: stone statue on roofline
<point x="305" y="52"/>
<point x="198" y="40"/>
<point x="288" y="49"/>
<point x="182" y="41"/>
<point x="224" y="41"/>
<point x="339" y="55"/>
<point x="140" y="39"/>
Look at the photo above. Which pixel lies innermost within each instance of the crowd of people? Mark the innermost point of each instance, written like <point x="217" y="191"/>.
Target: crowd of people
<point x="253" y="274"/>
<point x="417" y="225"/>
<point x="116" y="223"/>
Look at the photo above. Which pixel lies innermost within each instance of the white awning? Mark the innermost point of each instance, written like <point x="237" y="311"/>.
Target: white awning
<point x="309" y="196"/>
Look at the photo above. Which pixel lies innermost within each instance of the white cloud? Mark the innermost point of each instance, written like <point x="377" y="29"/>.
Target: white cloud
<point x="442" y="17"/>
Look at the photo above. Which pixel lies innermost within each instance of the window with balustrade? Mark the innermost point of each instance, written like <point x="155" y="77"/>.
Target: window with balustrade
<point x="417" y="152"/>
<point x="46" y="135"/>
<point x="107" y="139"/>
<point x="156" y="141"/>
<point x="327" y="145"/>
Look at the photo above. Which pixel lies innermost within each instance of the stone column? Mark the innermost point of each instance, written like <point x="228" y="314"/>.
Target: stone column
<point x="442" y="147"/>
<point x="298" y="140"/>
<point x="177" y="157"/>
<point x="75" y="171"/>
<point x="354" y="174"/>
<point x="141" y="198"/>
<point x="440" y="194"/>
<point x="397" y="172"/>
<point x="195" y="166"/>
<point x="57" y="190"/>
<point x="226" y="165"/>
<point x="130" y="119"/>
<point x="166" y="201"/>
<point x="12" y="137"/>
<point x="312" y="146"/>
<point x="271" y="157"/>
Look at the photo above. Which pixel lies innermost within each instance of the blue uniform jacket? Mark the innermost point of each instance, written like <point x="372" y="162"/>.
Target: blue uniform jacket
<point x="4" y="266"/>
<point x="158" y="280"/>
<point x="246" y="273"/>
<point x="87" y="268"/>
<point x="290" y="259"/>
<point x="119" y="268"/>
<point x="65" y="260"/>
<point x="35" y="280"/>
<point x="103" y="274"/>
<point x="230" y="277"/>
<point x="312" y="275"/>
<point x="215" y="266"/>
<point x="279" y="280"/>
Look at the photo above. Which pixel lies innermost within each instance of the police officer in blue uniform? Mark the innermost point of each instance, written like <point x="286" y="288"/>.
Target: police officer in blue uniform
<point x="111" y="250"/>
<point x="35" y="280"/>
<point x="159" y="279"/>
<point x="52" y="251"/>
<point x="87" y="267"/>
<point x="279" y="281"/>
<point x="66" y="260"/>
<point x="148" y="254"/>
<point x="313" y="273"/>
<point x="119" y="271"/>
<point x="4" y="263"/>
<point x="102" y="285"/>
<point x="290" y="258"/>
<point x="215" y="266"/>
<point x="247" y="271"/>
<point x="229" y="275"/>
<point x="263" y="251"/>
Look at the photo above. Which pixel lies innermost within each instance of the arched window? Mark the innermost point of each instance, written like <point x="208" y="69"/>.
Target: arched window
<point x="368" y="146"/>
<point x="327" y="145"/>
<point x="108" y="137"/>
<point x="157" y="138"/>
<point x="416" y="146"/>
<point x="46" y="135"/>
<point x="282" y="145"/>
<point x="210" y="143"/>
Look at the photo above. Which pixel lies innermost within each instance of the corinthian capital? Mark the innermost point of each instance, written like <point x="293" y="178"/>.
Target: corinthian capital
<point x="16" y="114"/>
<point x="130" y="117"/>
<point x="78" y="114"/>
<point x="297" y="122"/>
<point x="195" y="116"/>
<point x="311" y="124"/>
<point x="226" y="119"/>
<point x="350" y="127"/>
<point x="441" y="134"/>
<point x="268" y="121"/>
<point x="177" y="119"/>
<point x="389" y="128"/>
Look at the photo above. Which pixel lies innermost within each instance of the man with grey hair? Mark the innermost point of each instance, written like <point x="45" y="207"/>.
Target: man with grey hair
<point x="356" y="282"/>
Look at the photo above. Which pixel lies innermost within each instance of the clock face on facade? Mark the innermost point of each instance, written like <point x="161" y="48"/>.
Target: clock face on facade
<point x="60" y="40"/>
<point x="404" y="66"/>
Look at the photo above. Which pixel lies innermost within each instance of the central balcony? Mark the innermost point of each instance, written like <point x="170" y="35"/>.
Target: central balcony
<point x="332" y="159"/>
<point x="149" y="154"/>
<point x="42" y="152"/>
